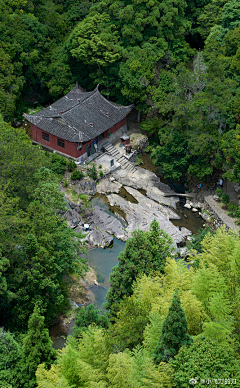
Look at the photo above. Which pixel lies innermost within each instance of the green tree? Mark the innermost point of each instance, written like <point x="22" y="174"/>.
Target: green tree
<point x="89" y="315"/>
<point x="205" y="359"/>
<point x="10" y="360"/>
<point x="174" y="332"/>
<point x="36" y="348"/>
<point x="142" y="254"/>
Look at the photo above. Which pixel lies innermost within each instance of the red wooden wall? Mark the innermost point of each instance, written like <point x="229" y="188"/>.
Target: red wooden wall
<point x="70" y="147"/>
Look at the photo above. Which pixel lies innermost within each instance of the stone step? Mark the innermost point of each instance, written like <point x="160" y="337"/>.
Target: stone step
<point x="123" y="164"/>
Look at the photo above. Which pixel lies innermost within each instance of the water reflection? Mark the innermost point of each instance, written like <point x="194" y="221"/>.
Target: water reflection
<point x="102" y="261"/>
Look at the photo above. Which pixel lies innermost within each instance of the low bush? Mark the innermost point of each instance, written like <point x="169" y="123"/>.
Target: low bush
<point x="94" y="172"/>
<point x="219" y="192"/>
<point x="58" y="168"/>
<point x="232" y="209"/>
<point x="225" y="199"/>
<point x="77" y="175"/>
<point x="58" y="164"/>
<point x="71" y="165"/>
<point x="101" y="173"/>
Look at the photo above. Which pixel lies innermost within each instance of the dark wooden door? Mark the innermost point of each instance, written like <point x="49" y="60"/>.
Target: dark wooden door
<point x="88" y="150"/>
<point x="92" y="148"/>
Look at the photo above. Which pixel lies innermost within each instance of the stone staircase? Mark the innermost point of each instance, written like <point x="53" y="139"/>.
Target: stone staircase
<point x="124" y="162"/>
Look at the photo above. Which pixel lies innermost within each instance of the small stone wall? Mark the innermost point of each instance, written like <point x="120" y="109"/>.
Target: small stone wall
<point x="139" y="142"/>
<point x="212" y="214"/>
<point x="133" y="157"/>
<point x="219" y="216"/>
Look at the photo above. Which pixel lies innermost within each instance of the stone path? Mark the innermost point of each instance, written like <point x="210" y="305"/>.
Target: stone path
<point x="228" y="221"/>
<point x="125" y="164"/>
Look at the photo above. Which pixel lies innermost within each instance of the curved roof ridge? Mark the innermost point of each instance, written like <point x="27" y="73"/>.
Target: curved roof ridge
<point x="80" y="102"/>
<point x="114" y="105"/>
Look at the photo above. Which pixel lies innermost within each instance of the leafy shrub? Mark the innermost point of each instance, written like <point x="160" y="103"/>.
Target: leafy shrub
<point x="65" y="183"/>
<point x="100" y="166"/>
<point x="94" y="172"/>
<point x="88" y="315"/>
<point x="55" y="158"/>
<point x="232" y="209"/>
<point x="101" y="173"/>
<point x="58" y="164"/>
<point x="58" y="168"/>
<point x="219" y="192"/>
<point x="76" y="175"/>
<point x="71" y="165"/>
<point x="225" y="199"/>
<point x="195" y="242"/>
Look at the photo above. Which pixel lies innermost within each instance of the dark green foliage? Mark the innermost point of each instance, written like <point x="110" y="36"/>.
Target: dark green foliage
<point x="101" y="173"/>
<point x="87" y="316"/>
<point x="38" y="249"/>
<point x="174" y="332"/>
<point x="145" y="252"/>
<point x="10" y="360"/>
<point x="94" y="172"/>
<point x="77" y="175"/>
<point x="36" y="348"/>
<point x="219" y="192"/>
<point x="71" y="165"/>
<point x="196" y="239"/>
<point x="205" y="359"/>
<point x="232" y="209"/>
<point x="225" y="199"/>
<point x="58" y="164"/>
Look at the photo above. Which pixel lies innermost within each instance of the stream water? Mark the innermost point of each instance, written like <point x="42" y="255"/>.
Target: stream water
<point x="103" y="260"/>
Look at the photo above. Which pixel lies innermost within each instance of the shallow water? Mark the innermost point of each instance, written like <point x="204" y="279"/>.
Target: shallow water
<point x="102" y="201"/>
<point x="193" y="221"/>
<point x="190" y="220"/>
<point x="102" y="261"/>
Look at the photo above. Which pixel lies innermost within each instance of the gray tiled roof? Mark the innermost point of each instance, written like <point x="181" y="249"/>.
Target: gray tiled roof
<point x="79" y="116"/>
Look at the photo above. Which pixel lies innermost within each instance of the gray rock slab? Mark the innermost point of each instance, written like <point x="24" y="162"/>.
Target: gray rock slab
<point x="103" y="222"/>
<point x="86" y="187"/>
<point x="148" y="181"/>
<point x="73" y="218"/>
<point x="185" y="232"/>
<point x="106" y="186"/>
<point x="142" y="214"/>
<point x="155" y="194"/>
<point x="143" y="201"/>
<point x="95" y="237"/>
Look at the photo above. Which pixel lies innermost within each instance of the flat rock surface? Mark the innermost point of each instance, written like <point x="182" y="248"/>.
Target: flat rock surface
<point x="106" y="186"/>
<point x="103" y="222"/>
<point x="155" y="194"/>
<point x="148" y="203"/>
<point x="148" y="181"/>
<point x="142" y="214"/>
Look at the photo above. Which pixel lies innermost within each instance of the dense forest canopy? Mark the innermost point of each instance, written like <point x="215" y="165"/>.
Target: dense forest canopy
<point x="179" y="62"/>
<point x="141" y="52"/>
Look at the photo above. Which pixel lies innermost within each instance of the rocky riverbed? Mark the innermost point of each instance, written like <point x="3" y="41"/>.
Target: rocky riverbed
<point x="151" y="199"/>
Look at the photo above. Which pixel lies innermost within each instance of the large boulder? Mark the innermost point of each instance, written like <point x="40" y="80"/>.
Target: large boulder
<point x="73" y="218"/>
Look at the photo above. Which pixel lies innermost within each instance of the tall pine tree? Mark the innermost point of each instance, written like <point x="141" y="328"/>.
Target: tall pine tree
<point x="36" y="348"/>
<point x="174" y="332"/>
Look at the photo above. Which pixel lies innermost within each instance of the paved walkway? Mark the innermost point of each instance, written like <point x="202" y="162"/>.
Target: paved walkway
<point x="221" y="214"/>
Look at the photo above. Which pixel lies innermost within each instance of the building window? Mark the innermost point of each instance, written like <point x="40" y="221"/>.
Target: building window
<point x="61" y="143"/>
<point x="100" y="137"/>
<point x="45" y="136"/>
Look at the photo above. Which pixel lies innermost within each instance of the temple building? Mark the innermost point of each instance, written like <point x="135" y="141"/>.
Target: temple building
<point x="76" y="124"/>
